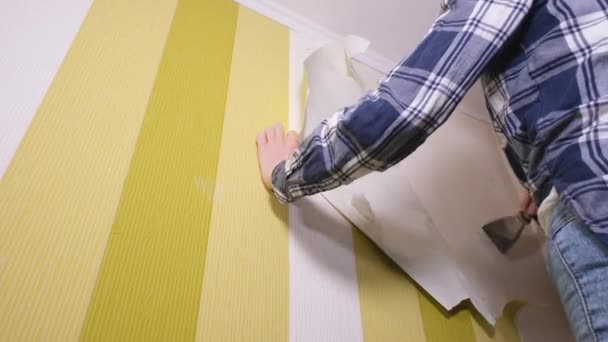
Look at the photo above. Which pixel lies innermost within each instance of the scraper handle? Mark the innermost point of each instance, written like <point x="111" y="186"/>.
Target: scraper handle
<point x="525" y="217"/>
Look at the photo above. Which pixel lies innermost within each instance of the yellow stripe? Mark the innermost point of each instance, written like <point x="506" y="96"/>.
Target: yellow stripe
<point x="245" y="288"/>
<point x="441" y="326"/>
<point x="150" y="280"/>
<point x="58" y="198"/>
<point x="388" y="299"/>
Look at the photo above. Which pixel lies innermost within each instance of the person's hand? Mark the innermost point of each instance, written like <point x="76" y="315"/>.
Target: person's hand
<point x="526" y="205"/>
<point x="274" y="147"/>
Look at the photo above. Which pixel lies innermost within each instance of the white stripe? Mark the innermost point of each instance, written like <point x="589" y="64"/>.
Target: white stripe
<point x="323" y="290"/>
<point x="35" y="36"/>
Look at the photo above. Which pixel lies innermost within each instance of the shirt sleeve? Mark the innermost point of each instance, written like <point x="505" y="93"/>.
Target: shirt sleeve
<point x="414" y="100"/>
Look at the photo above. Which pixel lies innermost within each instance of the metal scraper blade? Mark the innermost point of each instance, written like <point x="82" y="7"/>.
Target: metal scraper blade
<point x="505" y="231"/>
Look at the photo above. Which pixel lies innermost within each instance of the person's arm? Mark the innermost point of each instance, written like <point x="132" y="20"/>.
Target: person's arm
<point x="411" y="103"/>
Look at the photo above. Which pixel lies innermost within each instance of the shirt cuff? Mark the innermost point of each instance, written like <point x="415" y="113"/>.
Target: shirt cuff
<point x="279" y="183"/>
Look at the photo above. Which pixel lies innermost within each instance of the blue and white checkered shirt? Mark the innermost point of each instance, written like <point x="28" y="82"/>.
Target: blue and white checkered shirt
<point x="544" y="69"/>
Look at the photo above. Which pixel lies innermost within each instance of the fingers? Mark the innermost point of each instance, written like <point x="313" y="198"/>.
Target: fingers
<point x="279" y="133"/>
<point x="524" y="202"/>
<point x="532" y="209"/>
<point x="261" y="138"/>
<point x="274" y="132"/>
<point x="526" y="205"/>
<point x="270" y="133"/>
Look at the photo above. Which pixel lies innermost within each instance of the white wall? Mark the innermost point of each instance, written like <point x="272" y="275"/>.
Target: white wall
<point x="394" y="28"/>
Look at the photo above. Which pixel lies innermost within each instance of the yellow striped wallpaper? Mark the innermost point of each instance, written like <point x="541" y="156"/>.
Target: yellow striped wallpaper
<point x="60" y="193"/>
<point x="245" y="287"/>
<point x="149" y="283"/>
<point x="133" y="211"/>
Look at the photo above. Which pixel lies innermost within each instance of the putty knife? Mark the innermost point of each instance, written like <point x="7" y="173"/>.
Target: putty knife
<point x="505" y="231"/>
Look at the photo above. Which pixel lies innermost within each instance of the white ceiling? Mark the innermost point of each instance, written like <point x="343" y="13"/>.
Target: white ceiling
<point x="394" y="27"/>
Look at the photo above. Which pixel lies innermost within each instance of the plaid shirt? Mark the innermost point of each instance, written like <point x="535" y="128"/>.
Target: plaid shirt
<point x="544" y="69"/>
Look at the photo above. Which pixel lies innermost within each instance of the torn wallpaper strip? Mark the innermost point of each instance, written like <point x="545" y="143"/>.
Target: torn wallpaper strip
<point x="429" y="223"/>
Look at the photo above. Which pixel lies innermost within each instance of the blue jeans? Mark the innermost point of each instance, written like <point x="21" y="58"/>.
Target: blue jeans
<point x="578" y="265"/>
